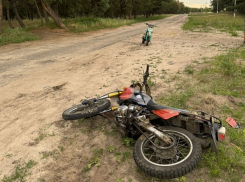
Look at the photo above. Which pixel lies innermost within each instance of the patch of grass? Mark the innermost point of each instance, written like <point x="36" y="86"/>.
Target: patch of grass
<point x="54" y="154"/>
<point x="226" y="74"/>
<point x="20" y="172"/>
<point x="9" y="155"/>
<point x="62" y="148"/>
<point x="110" y="148"/>
<point x="16" y="35"/>
<point x="40" y="137"/>
<point x="223" y="76"/>
<point x="128" y="141"/>
<point x="222" y="21"/>
<point x="119" y="180"/>
<point x="95" y="161"/>
<point x="177" y="99"/>
<point x="126" y="156"/>
<point x="151" y="83"/>
<point x="80" y="121"/>
<point x="189" y="69"/>
<point x="229" y="161"/>
<point x="123" y="156"/>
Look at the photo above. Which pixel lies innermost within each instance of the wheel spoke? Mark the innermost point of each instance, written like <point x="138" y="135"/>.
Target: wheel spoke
<point x="176" y="154"/>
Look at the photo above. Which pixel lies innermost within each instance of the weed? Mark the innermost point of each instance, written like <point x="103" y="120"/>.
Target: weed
<point x="76" y="135"/>
<point x="110" y="149"/>
<point x="182" y="179"/>
<point x="128" y="141"/>
<point x="151" y="83"/>
<point x="126" y="156"/>
<point x="122" y="157"/>
<point x="53" y="134"/>
<point x="84" y="130"/>
<point x="9" y="155"/>
<point x="41" y="179"/>
<point x="47" y="154"/>
<point x="189" y="69"/>
<point x="61" y="148"/>
<point x="119" y="180"/>
<point x="95" y="161"/>
<point x="41" y="137"/>
<point x="80" y="121"/>
<point x="54" y="154"/>
<point x="118" y="159"/>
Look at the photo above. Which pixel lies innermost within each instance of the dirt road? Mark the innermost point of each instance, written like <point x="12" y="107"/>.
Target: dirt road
<point x="39" y="80"/>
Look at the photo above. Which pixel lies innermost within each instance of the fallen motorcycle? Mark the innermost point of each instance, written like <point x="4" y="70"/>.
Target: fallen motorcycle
<point x="148" y="33"/>
<point x="168" y="139"/>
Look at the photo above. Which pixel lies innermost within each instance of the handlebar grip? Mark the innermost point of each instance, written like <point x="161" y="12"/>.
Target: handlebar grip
<point x="147" y="68"/>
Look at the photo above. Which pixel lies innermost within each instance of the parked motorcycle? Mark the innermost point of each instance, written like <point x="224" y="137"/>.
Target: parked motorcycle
<point x="147" y="35"/>
<point x="168" y="139"/>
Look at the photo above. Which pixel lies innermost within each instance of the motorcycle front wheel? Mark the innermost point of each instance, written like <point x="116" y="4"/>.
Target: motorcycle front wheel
<point x="171" y="162"/>
<point x="86" y="111"/>
<point x="147" y="41"/>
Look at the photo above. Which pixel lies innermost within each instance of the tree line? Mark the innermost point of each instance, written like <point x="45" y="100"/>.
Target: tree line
<point x="229" y="5"/>
<point x="57" y="9"/>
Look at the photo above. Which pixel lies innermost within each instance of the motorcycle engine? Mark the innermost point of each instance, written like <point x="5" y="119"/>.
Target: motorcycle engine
<point x="123" y="115"/>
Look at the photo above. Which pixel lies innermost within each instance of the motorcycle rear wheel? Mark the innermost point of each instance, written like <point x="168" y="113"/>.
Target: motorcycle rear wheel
<point x="168" y="163"/>
<point x="86" y="111"/>
<point x="143" y="40"/>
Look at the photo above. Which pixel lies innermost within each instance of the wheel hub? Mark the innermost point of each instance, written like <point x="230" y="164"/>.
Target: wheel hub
<point x="166" y="154"/>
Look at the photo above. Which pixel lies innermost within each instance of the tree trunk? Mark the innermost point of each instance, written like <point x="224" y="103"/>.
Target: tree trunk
<point x="135" y="14"/>
<point x="130" y="15"/>
<point x="45" y="16"/>
<point x="38" y="11"/>
<point x="111" y="10"/>
<point x="56" y="10"/>
<point x="17" y="16"/>
<point x="147" y="14"/>
<point x="9" y="21"/>
<point x="1" y="16"/>
<point x="56" y="19"/>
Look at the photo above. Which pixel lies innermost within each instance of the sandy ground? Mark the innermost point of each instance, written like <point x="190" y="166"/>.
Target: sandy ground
<point x="39" y="80"/>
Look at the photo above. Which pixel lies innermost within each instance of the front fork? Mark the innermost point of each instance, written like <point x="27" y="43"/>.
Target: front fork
<point x="145" y="124"/>
<point x="147" y="37"/>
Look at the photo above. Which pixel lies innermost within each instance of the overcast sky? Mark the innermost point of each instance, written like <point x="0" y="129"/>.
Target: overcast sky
<point x="196" y="3"/>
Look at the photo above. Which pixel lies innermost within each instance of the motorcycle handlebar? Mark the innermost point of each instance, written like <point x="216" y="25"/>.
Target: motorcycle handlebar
<point x="146" y="74"/>
<point x="147" y="68"/>
<point x="149" y="25"/>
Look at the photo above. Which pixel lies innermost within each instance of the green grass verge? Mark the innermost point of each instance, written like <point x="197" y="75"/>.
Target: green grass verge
<point x="91" y="24"/>
<point x="222" y="77"/>
<point x="207" y="22"/>
<point x="16" y="35"/>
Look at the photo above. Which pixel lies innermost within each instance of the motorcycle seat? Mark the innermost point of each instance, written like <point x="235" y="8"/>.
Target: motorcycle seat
<point x="152" y="105"/>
